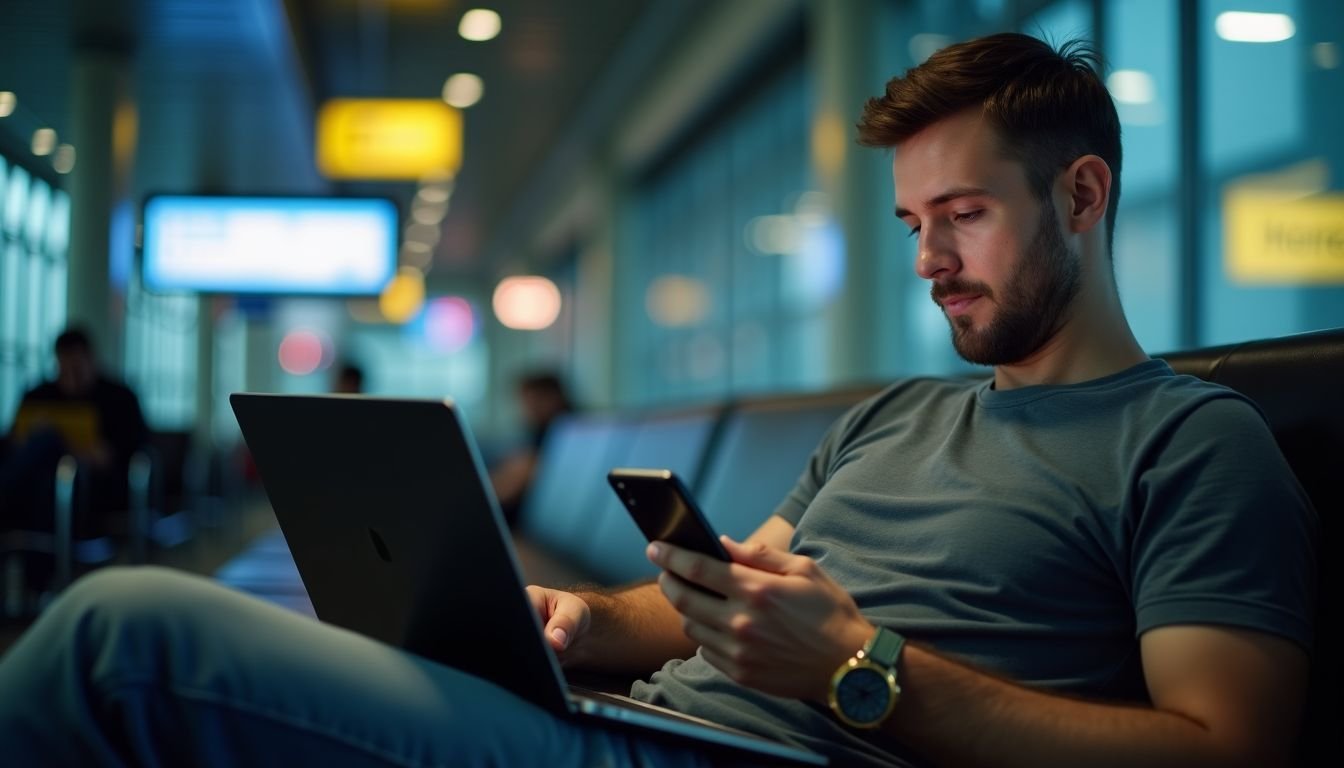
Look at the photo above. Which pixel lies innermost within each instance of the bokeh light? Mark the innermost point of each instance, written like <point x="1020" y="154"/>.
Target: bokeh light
<point x="526" y="302"/>
<point x="677" y="301"/>
<point x="301" y="352"/>
<point x="450" y="323"/>
<point x="404" y="296"/>
<point x="479" y="25"/>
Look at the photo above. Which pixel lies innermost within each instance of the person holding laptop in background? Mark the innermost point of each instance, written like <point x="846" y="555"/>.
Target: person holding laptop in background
<point x="83" y="413"/>
<point x="1087" y="560"/>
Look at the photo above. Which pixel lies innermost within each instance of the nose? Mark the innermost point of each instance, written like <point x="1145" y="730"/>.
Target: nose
<point x="937" y="254"/>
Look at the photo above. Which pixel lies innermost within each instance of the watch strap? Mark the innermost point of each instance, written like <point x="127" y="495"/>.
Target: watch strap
<point x="884" y="648"/>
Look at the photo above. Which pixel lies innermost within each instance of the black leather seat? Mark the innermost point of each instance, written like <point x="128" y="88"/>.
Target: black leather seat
<point x="1298" y="382"/>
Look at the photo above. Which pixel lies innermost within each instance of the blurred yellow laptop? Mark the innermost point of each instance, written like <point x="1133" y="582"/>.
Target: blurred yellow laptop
<point x="77" y="423"/>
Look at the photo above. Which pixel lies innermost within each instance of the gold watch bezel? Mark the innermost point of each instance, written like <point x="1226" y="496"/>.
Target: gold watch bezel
<point x="858" y="661"/>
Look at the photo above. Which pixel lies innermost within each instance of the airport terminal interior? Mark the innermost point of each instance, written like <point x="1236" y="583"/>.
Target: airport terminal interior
<point x="653" y="214"/>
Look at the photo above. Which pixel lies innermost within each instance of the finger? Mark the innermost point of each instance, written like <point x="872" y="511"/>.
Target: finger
<point x="694" y="567"/>
<point x="563" y="623"/>
<point x="757" y="555"/>
<point x="706" y="636"/>
<point x="721" y="661"/>
<point x="693" y="603"/>
<point x="537" y="596"/>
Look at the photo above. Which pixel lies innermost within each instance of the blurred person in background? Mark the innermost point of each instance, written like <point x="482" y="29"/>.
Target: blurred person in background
<point x="83" y="413"/>
<point x="349" y="379"/>
<point x="541" y="398"/>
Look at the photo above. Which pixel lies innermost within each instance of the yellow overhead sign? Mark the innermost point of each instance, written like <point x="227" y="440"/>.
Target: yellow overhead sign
<point x="1274" y="238"/>
<point x="388" y="139"/>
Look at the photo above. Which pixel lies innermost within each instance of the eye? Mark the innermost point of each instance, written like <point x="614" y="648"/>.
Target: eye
<point x="913" y="231"/>
<point x="968" y="216"/>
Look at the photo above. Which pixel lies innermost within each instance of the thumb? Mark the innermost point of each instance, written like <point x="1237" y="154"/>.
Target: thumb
<point x="757" y="555"/>
<point x="565" y="620"/>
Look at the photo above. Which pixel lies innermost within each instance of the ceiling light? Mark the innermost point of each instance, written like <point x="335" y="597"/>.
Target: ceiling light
<point x="1132" y="86"/>
<point x="428" y="213"/>
<point x="463" y="89"/>
<point x="1247" y="27"/>
<point x="44" y="141"/>
<point x="434" y="193"/>
<point x="425" y="233"/>
<point x="479" y="24"/>
<point x="526" y="303"/>
<point x="7" y="103"/>
<point x="64" y="161"/>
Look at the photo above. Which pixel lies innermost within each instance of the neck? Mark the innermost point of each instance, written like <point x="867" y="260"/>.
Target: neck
<point x="1095" y="340"/>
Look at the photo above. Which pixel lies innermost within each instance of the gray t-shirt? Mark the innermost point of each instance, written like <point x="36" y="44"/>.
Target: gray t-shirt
<point x="1036" y="533"/>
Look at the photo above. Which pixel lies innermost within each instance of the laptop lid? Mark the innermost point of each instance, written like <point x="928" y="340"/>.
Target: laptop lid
<point x="383" y="502"/>
<point x="75" y="421"/>
<point x="396" y="534"/>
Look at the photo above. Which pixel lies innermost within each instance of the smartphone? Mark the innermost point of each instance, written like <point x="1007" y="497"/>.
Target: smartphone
<point x="664" y="510"/>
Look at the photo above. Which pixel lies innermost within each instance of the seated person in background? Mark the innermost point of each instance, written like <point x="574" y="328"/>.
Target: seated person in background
<point x="349" y="380"/>
<point x="541" y="398"/>
<point x="82" y="413"/>
<point x="1085" y="561"/>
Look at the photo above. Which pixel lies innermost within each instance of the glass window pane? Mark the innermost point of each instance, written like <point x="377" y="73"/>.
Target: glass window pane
<point x="35" y="226"/>
<point x="1141" y="48"/>
<point x="58" y="225"/>
<point x="1273" y="191"/>
<point x="16" y="200"/>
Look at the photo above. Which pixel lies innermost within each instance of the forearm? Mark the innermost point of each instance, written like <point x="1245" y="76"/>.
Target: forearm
<point x="634" y="630"/>
<point x="959" y="716"/>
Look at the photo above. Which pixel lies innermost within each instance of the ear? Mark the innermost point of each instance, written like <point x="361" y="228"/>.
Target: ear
<point x="1087" y="182"/>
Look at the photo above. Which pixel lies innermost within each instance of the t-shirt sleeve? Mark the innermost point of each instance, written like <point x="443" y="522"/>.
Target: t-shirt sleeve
<point x="819" y="465"/>
<point x="1225" y="534"/>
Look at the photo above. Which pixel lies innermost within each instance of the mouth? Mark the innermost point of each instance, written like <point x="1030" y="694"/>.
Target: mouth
<point x="956" y="306"/>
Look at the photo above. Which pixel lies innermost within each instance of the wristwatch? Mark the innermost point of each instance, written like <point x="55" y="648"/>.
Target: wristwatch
<point x="864" y="690"/>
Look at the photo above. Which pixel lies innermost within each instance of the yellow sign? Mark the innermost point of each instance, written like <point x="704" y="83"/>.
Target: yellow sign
<point x="1273" y="238"/>
<point x="388" y="139"/>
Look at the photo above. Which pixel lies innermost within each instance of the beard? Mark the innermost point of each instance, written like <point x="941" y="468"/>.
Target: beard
<point x="1034" y="304"/>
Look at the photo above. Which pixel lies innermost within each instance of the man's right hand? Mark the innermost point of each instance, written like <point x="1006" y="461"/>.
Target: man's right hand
<point x="565" y="616"/>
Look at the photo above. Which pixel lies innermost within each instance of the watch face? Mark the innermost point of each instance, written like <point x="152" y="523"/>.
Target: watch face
<point x="863" y="694"/>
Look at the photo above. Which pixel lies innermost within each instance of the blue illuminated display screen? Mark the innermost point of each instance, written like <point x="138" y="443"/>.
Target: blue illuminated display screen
<point x="269" y="245"/>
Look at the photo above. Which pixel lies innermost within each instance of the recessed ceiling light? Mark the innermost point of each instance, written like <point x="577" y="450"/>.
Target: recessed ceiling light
<point x="463" y="90"/>
<point x="7" y="103"/>
<point x="1247" y="27"/>
<point x="64" y="161"/>
<point x="44" y="141"/>
<point x="479" y="25"/>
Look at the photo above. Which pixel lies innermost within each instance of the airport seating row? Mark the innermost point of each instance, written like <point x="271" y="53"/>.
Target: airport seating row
<point x="741" y="458"/>
<point x="173" y="490"/>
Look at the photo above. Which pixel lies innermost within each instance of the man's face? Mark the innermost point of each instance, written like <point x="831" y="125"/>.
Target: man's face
<point x="75" y="371"/>
<point x="994" y="253"/>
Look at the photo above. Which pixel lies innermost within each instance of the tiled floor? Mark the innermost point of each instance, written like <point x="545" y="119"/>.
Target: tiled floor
<point x="205" y="552"/>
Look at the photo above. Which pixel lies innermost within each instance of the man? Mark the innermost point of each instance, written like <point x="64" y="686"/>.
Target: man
<point x="349" y="380"/>
<point x="83" y="413"/>
<point x="542" y="399"/>
<point x="1086" y="561"/>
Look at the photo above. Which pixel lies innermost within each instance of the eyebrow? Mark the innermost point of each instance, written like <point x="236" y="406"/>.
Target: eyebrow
<point x="946" y="197"/>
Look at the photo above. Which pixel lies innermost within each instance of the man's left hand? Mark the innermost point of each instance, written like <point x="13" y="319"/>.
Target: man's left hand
<point x="783" y="626"/>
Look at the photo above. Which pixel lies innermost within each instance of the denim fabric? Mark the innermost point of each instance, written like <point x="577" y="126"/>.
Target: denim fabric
<point x="145" y="666"/>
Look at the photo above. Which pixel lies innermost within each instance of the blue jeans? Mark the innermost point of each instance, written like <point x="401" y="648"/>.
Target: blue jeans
<point x="145" y="666"/>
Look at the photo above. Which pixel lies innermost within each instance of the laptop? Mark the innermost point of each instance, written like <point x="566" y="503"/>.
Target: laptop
<point x="397" y="535"/>
<point x="76" y="422"/>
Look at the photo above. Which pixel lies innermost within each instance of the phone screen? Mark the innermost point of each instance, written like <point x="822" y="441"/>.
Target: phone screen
<point x="664" y="510"/>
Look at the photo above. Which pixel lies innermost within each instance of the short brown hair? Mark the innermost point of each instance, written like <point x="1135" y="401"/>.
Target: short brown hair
<point x="1048" y="107"/>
